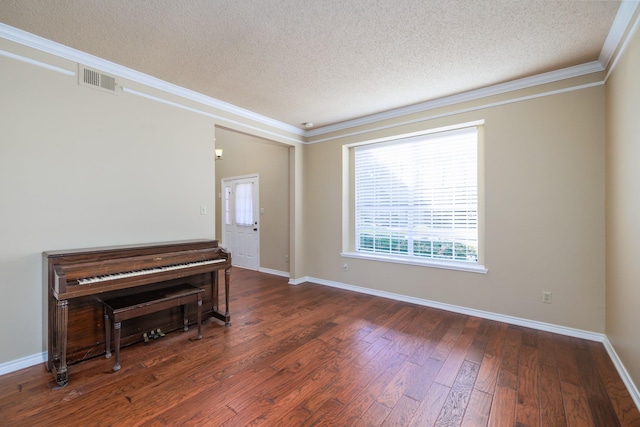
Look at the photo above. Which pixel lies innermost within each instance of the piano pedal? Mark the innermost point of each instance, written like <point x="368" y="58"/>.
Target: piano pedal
<point x="159" y="332"/>
<point x="146" y="338"/>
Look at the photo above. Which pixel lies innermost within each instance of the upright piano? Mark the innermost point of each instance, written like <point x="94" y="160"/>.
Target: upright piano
<point x="75" y="279"/>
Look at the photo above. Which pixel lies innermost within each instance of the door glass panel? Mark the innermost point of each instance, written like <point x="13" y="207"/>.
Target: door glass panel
<point x="227" y="205"/>
<point x="244" y="203"/>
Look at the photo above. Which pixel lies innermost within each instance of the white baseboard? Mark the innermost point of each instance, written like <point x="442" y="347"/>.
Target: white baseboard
<point x="301" y="280"/>
<point x="24" y="362"/>
<point x="274" y="272"/>
<point x="542" y="326"/>
<point x="266" y="270"/>
<point x="633" y="390"/>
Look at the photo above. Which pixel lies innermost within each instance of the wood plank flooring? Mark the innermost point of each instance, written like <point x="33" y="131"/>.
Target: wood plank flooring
<point x="312" y="355"/>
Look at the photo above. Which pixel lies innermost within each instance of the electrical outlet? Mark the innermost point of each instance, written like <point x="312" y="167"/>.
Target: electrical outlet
<point x="345" y="266"/>
<point x="546" y="297"/>
<point x="203" y="209"/>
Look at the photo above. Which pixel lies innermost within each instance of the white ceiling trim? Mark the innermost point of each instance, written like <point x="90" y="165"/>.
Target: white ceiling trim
<point x="619" y="26"/>
<point x="51" y="47"/>
<point x="549" y="77"/>
<point x="614" y="39"/>
<point x="632" y="31"/>
<point x="257" y="130"/>
<point x="37" y="63"/>
<point x="460" y="111"/>
<point x="616" y="33"/>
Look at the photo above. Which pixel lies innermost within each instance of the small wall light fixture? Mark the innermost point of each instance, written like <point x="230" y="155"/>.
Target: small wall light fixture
<point x="218" y="153"/>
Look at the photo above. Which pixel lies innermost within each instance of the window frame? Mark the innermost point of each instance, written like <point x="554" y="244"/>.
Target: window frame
<point x="348" y="218"/>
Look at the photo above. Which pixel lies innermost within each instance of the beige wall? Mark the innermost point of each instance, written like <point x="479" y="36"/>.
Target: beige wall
<point x="244" y="154"/>
<point x="81" y="168"/>
<point x="623" y="209"/>
<point x="544" y="174"/>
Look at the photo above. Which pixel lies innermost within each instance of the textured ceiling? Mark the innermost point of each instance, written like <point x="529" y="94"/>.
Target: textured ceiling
<point x="325" y="61"/>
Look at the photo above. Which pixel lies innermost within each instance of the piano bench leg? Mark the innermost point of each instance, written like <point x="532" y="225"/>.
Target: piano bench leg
<point x="116" y="339"/>
<point x="107" y="334"/>
<point x="199" y="317"/>
<point x="185" y="317"/>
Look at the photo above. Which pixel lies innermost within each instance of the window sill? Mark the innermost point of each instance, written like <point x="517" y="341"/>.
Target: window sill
<point x="448" y="265"/>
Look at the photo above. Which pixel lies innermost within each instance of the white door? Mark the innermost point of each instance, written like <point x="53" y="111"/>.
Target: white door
<point x="240" y="229"/>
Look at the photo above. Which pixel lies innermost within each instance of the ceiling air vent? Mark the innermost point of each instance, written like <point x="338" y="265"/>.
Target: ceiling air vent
<point x="97" y="80"/>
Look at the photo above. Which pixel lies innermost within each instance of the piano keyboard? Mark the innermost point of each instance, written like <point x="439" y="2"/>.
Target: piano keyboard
<point x="125" y="274"/>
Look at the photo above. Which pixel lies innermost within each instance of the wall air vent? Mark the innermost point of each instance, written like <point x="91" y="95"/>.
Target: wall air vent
<point x="96" y="79"/>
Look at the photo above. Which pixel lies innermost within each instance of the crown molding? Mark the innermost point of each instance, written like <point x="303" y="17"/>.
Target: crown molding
<point x="65" y="52"/>
<point x="527" y="82"/>
<point x="616" y="33"/>
<point x="37" y="63"/>
<point x="454" y="112"/>
<point x="623" y="46"/>
<point x="614" y="39"/>
<point x="218" y="118"/>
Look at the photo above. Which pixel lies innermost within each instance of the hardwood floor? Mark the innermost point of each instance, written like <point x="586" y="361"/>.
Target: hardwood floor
<point x="312" y="355"/>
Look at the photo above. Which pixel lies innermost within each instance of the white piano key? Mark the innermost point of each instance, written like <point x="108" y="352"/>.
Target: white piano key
<point x="114" y="276"/>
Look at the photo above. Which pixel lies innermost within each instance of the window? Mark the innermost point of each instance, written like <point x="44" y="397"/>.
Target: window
<point x="417" y="198"/>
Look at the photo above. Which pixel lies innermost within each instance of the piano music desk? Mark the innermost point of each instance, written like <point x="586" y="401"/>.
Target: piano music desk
<point x="128" y="307"/>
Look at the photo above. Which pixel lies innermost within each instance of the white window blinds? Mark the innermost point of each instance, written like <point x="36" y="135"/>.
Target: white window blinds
<point x="418" y="197"/>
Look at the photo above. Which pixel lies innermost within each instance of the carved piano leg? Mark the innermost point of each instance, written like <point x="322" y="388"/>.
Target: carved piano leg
<point x="51" y="339"/>
<point x="199" y="317"/>
<point x="227" y="279"/>
<point x="60" y="372"/>
<point x="107" y="334"/>
<point x="215" y="297"/>
<point x="116" y="344"/>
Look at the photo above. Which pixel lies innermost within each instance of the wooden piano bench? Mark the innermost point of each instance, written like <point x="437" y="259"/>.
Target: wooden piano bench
<point x="127" y="307"/>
